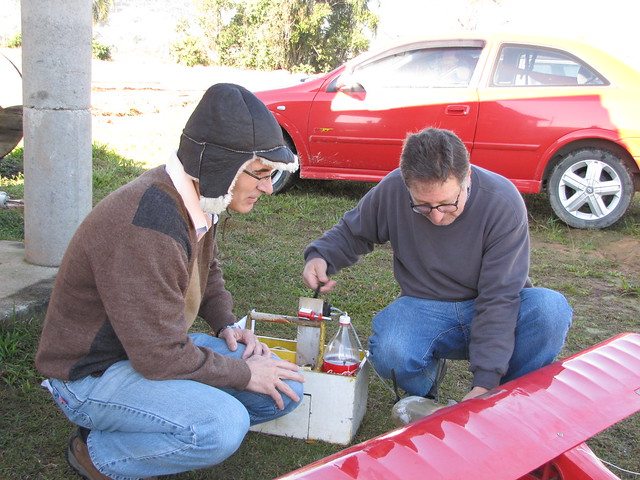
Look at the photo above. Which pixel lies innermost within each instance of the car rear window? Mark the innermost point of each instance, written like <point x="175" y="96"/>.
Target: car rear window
<point x="527" y="66"/>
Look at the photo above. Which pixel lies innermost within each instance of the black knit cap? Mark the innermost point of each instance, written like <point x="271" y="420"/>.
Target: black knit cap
<point x="228" y="127"/>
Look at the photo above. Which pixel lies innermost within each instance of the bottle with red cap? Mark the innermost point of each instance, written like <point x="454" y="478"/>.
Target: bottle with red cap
<point x="342" y="355"/>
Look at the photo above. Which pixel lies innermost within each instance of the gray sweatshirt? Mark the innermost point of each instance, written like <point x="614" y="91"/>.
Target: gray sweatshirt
<point x="482" y="255"/>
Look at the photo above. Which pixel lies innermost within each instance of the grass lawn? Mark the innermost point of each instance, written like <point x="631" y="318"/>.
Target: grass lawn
<point x="261" y="254"/>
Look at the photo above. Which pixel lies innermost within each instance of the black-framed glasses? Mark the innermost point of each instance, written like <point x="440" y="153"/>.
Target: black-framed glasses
<point x="442" y="208"/>
<point x="261" y="179"/>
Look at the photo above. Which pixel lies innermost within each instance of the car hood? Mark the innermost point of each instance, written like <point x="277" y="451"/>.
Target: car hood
<point x="309" y="85"/>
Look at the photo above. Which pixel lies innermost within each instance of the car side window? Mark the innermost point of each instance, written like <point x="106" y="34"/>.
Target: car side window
<point x="526" y="66"/>
<point x="424" y="68"/>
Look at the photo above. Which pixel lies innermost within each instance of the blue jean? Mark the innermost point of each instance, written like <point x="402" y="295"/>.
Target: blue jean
<point x="411" y="334"/>
<point x="140" y="427"/>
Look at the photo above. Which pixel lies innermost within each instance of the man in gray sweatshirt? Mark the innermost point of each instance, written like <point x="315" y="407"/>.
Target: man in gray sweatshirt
<point x="460" y="242"/>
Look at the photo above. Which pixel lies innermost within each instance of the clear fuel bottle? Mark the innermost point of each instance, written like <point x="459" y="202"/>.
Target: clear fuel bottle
<point x="342" y="355"/>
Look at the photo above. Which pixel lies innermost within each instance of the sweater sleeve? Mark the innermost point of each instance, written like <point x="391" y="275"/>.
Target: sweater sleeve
<point x="217" y="303"/>
<point x="142" y="283"/>
<point x="503" y="274"/>
<point x="144" y="301"/>
<point x="356" y="234"/>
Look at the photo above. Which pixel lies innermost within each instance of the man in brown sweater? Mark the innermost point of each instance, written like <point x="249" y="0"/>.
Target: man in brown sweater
<point x="149" y="398"/>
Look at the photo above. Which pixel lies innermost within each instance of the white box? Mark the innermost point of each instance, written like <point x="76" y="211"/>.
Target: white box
<point x="333" y="405"/>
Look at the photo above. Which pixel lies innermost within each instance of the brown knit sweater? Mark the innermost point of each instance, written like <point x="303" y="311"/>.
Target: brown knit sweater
<point x="121" y="288"/>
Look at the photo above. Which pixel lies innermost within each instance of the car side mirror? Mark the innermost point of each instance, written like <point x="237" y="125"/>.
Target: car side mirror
<point x="351" y="87"/>
<point x="347" y="84"/>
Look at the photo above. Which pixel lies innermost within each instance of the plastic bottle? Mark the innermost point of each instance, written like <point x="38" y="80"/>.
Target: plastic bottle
<point x="342" y="355"/>
<point x="412" y="408"/>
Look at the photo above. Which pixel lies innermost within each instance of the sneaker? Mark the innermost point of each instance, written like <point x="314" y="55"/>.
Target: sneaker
<point x="412" y="408"/>
<point x="79" y="459"/>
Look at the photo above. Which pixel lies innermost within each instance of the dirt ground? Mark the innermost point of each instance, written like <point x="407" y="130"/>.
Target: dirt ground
<point x="598" y="247"/>
<point x="599" y="273"/>
<point x="139" y="109"/>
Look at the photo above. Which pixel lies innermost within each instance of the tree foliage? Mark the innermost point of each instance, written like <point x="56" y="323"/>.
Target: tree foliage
<point x="188" y="49"/>
<point x="303" y="35"/>
<point x="100" y="10"/>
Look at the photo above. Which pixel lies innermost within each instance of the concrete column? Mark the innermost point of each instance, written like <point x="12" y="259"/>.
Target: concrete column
<point x="56" y="73"/>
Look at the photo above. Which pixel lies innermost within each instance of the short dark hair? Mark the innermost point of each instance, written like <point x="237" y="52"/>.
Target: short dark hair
<point x="433" y="155"/>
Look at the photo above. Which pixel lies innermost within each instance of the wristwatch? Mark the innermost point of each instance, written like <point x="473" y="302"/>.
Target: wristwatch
<point x="233" y="325"/>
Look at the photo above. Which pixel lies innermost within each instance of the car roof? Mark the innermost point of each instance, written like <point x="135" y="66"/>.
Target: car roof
<point x="469" y="38"/>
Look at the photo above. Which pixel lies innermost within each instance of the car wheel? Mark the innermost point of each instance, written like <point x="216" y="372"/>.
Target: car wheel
<point x="10" y="128"/>
<point x="590" y="188"/>
<point x="281" y="180"/>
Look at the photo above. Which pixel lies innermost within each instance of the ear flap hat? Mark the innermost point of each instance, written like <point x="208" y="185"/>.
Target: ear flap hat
<point x="228" y="128"/>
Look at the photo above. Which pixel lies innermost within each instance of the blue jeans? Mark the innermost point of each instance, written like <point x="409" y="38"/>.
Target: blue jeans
<point x="411" y="334"/>
<point x="140" y="427"/>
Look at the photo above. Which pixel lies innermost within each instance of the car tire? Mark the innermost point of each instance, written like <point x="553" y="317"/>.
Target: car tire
<point x="590" y="188"/>
<point x="10" y="129"/>
<point x="282" y="180"/>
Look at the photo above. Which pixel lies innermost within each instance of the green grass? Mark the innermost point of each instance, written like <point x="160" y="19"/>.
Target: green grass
<point x="110" y="171"/>
<point x="261" y="254"/>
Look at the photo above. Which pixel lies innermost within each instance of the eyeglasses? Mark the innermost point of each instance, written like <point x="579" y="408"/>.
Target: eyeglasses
<point x="442" y="208"/>
<point x="261" y="179"/>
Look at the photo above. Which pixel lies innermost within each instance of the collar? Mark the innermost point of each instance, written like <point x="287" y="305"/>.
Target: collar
<point x="187" y="190"/>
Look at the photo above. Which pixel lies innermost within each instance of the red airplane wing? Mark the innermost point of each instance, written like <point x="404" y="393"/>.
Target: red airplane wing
<point x="508" y="432"/>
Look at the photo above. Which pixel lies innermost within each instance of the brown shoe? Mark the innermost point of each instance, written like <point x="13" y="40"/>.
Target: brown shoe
<point x="79" y="459"/>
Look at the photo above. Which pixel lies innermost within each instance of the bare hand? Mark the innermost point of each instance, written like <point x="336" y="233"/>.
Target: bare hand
<point x="253" y="346"/>
<point x="268" y="375"/>
<point x="475" y="392"/>
<point x="315" y="273"/>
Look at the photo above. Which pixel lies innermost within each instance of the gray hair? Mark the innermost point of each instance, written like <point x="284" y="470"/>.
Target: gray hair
<point x="433" y="156"/>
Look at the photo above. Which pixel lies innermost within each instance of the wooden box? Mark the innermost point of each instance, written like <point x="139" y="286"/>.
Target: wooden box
<point x="333" y="405"/>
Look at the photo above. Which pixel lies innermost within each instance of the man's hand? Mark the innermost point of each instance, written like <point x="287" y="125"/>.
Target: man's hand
<point x="315" y="273"/>
<point x="268" y="375"/>
<point x="253" y="346"/>
<point x="475" y="392"/>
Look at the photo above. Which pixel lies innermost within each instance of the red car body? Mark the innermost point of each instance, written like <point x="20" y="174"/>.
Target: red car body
<point x="524" y="107"/>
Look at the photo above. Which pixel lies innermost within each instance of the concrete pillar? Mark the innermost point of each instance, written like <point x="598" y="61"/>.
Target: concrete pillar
<point x="56" y="75"/>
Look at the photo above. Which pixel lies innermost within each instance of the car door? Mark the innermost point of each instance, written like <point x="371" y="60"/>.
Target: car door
<point x="534" y="97"/>
<point x="357" y="125"/>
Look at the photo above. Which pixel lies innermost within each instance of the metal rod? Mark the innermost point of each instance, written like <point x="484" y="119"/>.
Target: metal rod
<point x="269" y="317"/>
<point x="323" y="330"/>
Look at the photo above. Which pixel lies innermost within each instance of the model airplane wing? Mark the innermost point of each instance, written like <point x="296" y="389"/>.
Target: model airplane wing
<point x="509" y="432"/>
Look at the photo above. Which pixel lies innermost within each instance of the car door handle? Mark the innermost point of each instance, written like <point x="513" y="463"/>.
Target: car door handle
<point x="457" y="110"/>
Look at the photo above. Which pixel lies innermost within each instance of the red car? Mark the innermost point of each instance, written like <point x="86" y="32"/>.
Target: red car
<point x="551" y="115"/>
